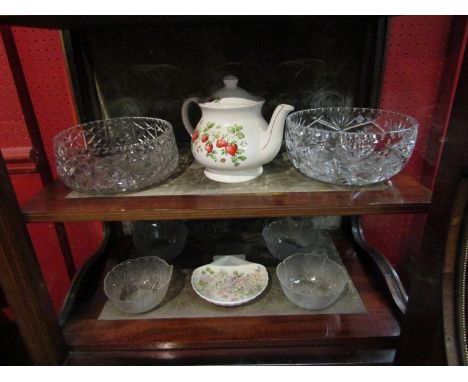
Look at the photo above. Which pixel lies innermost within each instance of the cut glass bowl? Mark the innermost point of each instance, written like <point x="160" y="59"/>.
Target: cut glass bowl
<point x="285" y="237"/>
<point x="350" y="146"/>
<point x="165" y="239"/>
<point x="116" y="155"/>
<point x="311" y="281"/>
<point x="138" y="285"/>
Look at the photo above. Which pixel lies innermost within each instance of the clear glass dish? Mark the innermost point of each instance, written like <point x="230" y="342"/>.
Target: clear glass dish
<point x="116" y="155"/>
<point x="138" y="285"/>
<point x="165" y="239"/>
<point x="285" y="237"/>
<point x="311" y="281"/>
<point x="350" y="146"/>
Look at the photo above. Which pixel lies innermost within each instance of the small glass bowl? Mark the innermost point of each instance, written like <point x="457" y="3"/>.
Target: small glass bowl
<point x="311" y="281"/>
<point x="285" y="237"/>
<point x="350" y="146"/>
<point x="138" y="285"/>
<point x="116" y="155"/>
<point x="165" y="239"/>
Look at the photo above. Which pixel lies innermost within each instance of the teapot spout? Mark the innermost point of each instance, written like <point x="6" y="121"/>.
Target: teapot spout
<point x="273" y="136"/>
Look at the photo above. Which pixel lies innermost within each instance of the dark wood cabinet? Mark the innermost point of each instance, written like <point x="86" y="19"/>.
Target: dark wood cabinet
<point x="398" y="326"/>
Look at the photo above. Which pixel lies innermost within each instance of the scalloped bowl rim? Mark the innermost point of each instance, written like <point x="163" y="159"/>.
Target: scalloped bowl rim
<point x="268" y="227"/>
<point x="302" y="254"/>
<point x="138" y="260"/>
<point x="412" y="120"/>
<point x="79" y="128"/>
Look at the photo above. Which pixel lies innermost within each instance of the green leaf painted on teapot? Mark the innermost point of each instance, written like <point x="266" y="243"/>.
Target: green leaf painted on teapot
<point x="220" y="144"/>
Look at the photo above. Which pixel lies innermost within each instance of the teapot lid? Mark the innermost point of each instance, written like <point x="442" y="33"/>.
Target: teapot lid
<point x="231" y="94"/>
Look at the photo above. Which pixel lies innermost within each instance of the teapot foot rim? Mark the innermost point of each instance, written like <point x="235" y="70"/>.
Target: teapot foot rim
<point x="233" y="176"/>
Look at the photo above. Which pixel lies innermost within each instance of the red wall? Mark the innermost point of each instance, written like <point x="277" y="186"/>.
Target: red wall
<point x="422" y="63"/>
<point x="44" y="66"/>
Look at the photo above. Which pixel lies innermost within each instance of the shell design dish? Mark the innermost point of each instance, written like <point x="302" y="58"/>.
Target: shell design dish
<point x="229" y="281"/>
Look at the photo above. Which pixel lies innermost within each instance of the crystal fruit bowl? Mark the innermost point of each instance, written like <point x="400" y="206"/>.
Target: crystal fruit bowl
<point x="138" y="285"/>
<point x="285" y="237"/>
<point x="165" y="239"/>
<point x="311" y="281"/>
<point x="350" y="146"/>
<point x="116" y="155"/>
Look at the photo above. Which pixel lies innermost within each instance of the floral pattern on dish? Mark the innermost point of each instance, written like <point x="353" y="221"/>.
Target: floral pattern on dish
<point x="230" y="285"/>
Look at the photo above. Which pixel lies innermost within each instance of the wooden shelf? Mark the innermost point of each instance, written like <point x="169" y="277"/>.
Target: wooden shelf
<point x="405" y="195"/>
<point x="368" y="337"/>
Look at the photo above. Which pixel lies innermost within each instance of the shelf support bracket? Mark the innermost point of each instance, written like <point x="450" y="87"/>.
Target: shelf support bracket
<point x="390" y="276"/>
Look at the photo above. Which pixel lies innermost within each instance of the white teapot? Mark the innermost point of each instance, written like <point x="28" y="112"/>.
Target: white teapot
<point x="232" y="141"/>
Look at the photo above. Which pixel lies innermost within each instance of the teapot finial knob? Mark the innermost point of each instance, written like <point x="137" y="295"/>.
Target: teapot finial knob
<point x="230" y="81"/>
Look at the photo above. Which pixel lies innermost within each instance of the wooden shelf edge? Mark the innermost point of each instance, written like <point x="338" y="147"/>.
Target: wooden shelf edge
<point x="308" y="355"/>
<point x="237" y="332"/>
<point x="222" y="214"/>
<point x="404" y="196"/>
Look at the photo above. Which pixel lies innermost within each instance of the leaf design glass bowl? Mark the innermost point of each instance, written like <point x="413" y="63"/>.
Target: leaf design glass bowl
<point x="138" y="285"/>
<point x="311" y="281"/>
<point x="165" y="239"/>
<point x="285" y="237"/>
<point x="116" y="155"/>
<point x="350" y="146"/>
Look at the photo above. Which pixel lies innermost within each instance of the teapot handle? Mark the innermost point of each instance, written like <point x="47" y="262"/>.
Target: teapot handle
<point x="185" y="117"/>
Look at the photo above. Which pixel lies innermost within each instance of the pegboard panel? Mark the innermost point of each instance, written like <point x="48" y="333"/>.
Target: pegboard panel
<point x="414" y="70"/>
<point x="44" y="65"/>
<point x="416" y="57"/>
<point x="45" y="69"/>
<point x="13" y="132"/>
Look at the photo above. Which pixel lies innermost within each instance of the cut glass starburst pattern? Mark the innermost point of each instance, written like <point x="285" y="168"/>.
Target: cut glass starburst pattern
<point x="350" y="146"/>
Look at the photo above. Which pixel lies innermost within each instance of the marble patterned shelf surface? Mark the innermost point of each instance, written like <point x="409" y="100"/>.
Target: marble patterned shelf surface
<point x="278" y="176"/>
<point x="182" y="302"/>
